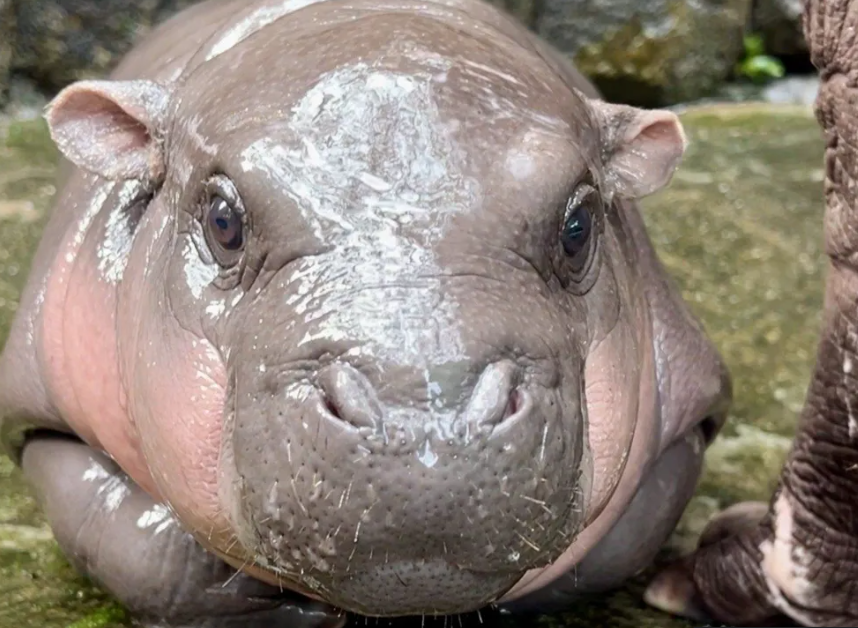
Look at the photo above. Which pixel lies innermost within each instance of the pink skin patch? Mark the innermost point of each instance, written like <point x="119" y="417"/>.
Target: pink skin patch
<point x="178" y="410"/>
<point x="79" y="349"/>
<point x="155" y="402"/>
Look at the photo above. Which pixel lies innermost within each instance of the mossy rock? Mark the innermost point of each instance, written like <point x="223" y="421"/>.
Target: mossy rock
<point x="649" y="52"/>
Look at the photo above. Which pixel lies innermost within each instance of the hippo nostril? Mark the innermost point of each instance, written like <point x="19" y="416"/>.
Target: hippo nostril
<point x="496" y="397"/>
<point x="331" y="408"/>
<point x="347" y="396"/>
<point x="513" y="404"/>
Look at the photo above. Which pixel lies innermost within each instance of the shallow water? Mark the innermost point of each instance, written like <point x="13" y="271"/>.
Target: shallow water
<point x="739" y="229"/>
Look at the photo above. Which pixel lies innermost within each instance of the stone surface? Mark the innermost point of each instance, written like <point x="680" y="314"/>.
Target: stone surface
<point x="59" y="41"/>
<point x="7" y="44"/>
<point x="739" y="229"/>
<point x="779" y="22"/>
<point x="798" y="90"/>
<point x="649" y="52"/>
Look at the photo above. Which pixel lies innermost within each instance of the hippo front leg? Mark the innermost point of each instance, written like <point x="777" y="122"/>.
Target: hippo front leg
<point x="112" y="531"/>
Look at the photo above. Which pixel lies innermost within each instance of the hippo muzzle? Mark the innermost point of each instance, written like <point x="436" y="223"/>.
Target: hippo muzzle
<point x="397" y="463"/>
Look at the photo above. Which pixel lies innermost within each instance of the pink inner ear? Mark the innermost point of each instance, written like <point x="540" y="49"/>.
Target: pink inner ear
<point x="649" y="154"/>
<point x="660" y="141"/>
<point x="98" y="135"/>
<point x="658" y="132"/>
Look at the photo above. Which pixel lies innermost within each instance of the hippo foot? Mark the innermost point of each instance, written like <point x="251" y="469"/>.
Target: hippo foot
<point x="745" y="572"/>
<point x="113" y="532"/>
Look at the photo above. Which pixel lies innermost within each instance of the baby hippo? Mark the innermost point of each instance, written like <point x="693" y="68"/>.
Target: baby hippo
<point x="348" y="306"/>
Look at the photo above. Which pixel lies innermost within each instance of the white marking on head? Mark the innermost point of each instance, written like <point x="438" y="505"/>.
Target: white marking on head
<point x="216" y="308"/>
<point x="101" y="191"/>
<point x="379" y="165"/>
<point x="520" y="165"/>
<point x="198" y="274"/>
<point x="251" y="23"/>
<point x="193" y="129"/>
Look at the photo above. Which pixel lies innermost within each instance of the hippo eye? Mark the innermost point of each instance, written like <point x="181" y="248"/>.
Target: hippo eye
<point x="223" y="221"/>
<point x="576" y="235"/>
<point x="225" y="225"/>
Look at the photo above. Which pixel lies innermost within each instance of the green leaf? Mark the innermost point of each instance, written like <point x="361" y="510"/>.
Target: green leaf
<point x="762" y="67"/>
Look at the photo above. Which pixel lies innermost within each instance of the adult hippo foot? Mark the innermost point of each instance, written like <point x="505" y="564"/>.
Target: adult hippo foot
<point x="797" y="556"/>
<point x="114" y="533"/>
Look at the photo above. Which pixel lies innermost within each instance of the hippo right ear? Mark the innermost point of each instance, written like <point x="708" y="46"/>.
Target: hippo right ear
<point x="641" y="148"/>
<point x="112" y="128"/>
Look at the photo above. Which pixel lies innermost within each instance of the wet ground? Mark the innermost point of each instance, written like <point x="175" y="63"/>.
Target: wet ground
<point x="739" y="229"/>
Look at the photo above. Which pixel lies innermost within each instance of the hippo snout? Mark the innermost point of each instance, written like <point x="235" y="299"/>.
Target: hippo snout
<point x="407" y="489"/>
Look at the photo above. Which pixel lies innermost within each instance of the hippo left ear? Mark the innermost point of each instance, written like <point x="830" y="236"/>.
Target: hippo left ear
<point x="641" y="148"/>
<point x="112" y="128"/>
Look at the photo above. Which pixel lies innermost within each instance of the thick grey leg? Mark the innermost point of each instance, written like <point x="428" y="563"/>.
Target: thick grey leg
<point x="114" y="533"/>
<point x="800" y="558"/>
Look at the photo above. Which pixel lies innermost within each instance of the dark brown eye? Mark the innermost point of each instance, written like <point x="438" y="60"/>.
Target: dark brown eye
<point x="225" y="224"/>
<point x="224" y="221"/>
<point x="577" y="233"/>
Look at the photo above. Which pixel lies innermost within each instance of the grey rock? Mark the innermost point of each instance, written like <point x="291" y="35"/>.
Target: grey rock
<point x="60" y="41"/>
<point x="649" y="52"/>
<point x="7" y="43"/>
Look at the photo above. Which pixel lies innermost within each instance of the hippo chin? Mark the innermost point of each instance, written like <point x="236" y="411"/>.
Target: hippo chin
<point x="355" y="299"/>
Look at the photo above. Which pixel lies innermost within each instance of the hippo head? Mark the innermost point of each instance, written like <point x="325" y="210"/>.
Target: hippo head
<point x="384" y="335"/>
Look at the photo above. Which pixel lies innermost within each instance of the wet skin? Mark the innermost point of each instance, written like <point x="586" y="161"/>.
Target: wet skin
<point x="355" y="298"/>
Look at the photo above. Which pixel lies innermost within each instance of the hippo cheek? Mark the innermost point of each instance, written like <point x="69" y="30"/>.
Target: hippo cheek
<point x="177" y="408"/>
<point x="365" y="507"/>
<point x="175" y="383"/>
<point x="621" y="440"/>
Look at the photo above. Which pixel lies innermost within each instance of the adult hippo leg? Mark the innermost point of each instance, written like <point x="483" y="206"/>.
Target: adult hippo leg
<point x="798" y="556"/>
<point x="105" y="523"/>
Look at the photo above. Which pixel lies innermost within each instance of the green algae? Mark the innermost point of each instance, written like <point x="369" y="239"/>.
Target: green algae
<point x="739" y="229"/>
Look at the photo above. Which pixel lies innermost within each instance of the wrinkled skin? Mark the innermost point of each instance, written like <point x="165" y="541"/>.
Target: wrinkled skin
<point x="357" y="300"/>
<point x="796" y="556"/>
